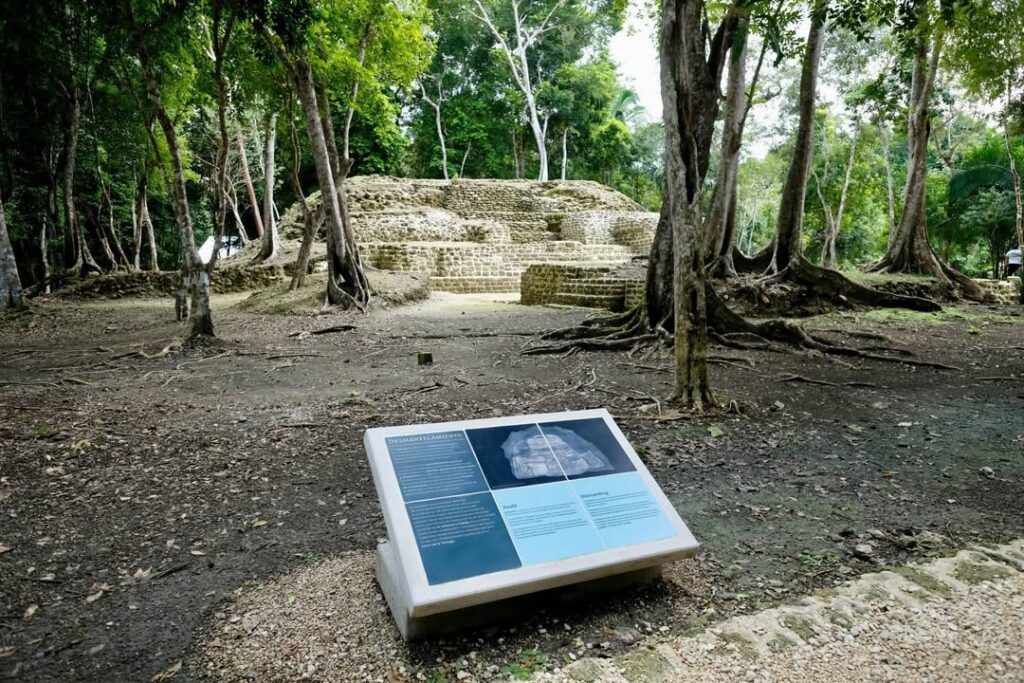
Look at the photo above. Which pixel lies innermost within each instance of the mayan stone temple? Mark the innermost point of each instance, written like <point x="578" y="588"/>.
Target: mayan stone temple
<point x="561" y="242"/>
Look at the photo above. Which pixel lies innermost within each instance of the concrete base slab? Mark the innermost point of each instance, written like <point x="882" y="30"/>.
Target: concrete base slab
<point x="415" y="628"/>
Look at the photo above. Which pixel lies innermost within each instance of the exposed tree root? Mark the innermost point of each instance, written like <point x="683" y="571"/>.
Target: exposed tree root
<point x="631" y="331"/>
<point x="831" y="284"/>
<point x="935" y="267"/>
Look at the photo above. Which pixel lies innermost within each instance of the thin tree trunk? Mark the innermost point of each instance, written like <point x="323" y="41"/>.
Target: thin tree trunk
<point x="829" y="254"/>
<point x="146" y="222"/>
<point x="44" y="253"/>
<point x="137" y="225"/>
<point x="10" y="281"/>
<point x="115" y="241"/>
<point x="101" y="235"/>
<point x="465" y="155"/>
<point x="1018" y="202"/>
<point x="196" y="279"/>
<point x="271" y="238"/>
<point x="231" y="197"/>
<point x="789" y="230"/>
<point x="565" y="151"/>
<point x="250" y="189"/>
<point x="308" y="224"/>
<point x="436" y="106"/>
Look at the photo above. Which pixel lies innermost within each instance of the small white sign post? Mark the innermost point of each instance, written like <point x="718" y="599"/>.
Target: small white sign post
<point x="481" y="511"/>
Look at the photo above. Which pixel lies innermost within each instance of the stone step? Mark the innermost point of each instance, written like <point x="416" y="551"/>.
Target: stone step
<point x="606" y="288"/>
<point x="475" y="284"/>
<point x="605" y="301"/>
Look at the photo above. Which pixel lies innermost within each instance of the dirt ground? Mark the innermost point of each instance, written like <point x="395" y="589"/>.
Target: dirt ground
<point x="139" y="495"/>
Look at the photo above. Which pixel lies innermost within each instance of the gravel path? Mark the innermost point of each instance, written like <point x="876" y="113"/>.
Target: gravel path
<point x="953" y="619"/>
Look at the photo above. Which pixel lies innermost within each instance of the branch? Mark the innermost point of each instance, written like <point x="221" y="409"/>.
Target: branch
<point x="486" y="19"/>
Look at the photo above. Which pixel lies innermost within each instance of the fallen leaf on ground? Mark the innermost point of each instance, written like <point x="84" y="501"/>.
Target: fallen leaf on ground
<point x="7" y="651"/>
<point x="30" y="610"/>
<point x="715" y="431"/>
<point x="4" y="549"/>
<point x="95" y="649"/>
<point x="258" y="522"/>
<point x="96" y="592"/>
<point x="904" y="424"/>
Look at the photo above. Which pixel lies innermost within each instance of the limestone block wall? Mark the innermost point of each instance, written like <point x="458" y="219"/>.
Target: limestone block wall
<point x="426" y="225"/>
<point x="571" y="284"/>
<point x="634" y="230"/>
<point x="1005" y="292"/>
<point x="484" y="260"/>
<point x="541" y="282"/>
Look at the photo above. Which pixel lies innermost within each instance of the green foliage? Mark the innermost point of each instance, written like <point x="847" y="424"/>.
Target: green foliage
<point x="531" y="661"/>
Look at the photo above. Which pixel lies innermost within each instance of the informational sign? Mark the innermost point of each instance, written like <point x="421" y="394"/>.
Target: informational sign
<point x="484" y="509"/>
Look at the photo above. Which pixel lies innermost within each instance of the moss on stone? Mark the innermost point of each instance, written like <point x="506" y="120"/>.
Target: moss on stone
<point x="741" y="643"/>
<point x="838" y="617"/>
<point x="924" y="580"/>
<point x="972" y="573"/>
<point x="645" y="666"/>
<point x="800" y="626"/>
<point x="780" y="643"/>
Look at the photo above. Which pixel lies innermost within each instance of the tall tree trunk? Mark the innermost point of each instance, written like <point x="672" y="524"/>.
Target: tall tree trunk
<point x="137" y="225"/>
<point x="789" y="230"/>
<point x="10" y="281"/>
<point x="890" y="185"/>
<point x="221" y="35"/>
<point x="52" y="226"/>
<point x="565" y="151"/>
<point x="1018" y="203"/>
<point x="146" y="222"/>
<point x="699" y="111"/>
<point x="194" y="276"/>
<point x="249" y="188"/>
<point x="308" y="223"/>
<point x="271" y="237"/>
<point x="909" y="251"/>
<point x="722" y="211"/>
<point x="346" y="282"/>
<point x="690" y="74"/>
<point x="112" y="236"/>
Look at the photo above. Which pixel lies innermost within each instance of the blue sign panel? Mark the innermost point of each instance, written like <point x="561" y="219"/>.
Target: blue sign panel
<point x="435" y="465"/>
<point x="461" y="537"/>
<point x="497" y="498"/>
<point x="623" y="510"/>
<point x="547" y="522"/>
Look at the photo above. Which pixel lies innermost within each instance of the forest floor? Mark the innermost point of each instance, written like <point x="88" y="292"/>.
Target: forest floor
<point x="143" y="498"/>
